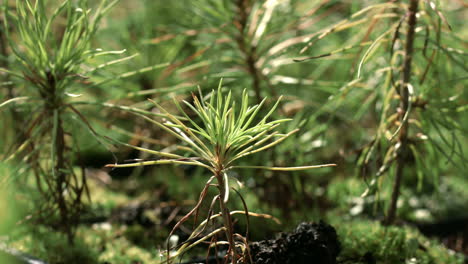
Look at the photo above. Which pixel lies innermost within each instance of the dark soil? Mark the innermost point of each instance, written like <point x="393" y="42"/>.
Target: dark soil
<point x="309" y="243"/>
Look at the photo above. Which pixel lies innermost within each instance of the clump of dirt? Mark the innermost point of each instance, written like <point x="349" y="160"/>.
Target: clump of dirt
<point x="309" y="243"/>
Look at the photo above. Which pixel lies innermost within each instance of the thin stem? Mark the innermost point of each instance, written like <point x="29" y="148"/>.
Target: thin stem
<point x="60" y="170"/>
<point x="226" y="215"/>
<point x="61" y="178"/>
<point x="404" y="105"/>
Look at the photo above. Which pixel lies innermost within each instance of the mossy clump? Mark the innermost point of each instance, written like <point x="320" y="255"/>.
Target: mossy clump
<point x="366" y="241"/>
<point x="52" y="247"/>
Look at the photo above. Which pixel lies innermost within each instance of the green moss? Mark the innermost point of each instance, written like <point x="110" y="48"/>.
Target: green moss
<point x="53" y="247"/>
<point x="364" y="241"/>
<point x="113" y="245"/>
<point x="104" y="198"/>
<point x="96" y="244"/>
<point x="341" y="190"/>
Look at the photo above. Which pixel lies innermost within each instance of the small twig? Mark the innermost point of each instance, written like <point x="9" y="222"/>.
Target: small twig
<point x="248" y="51"/>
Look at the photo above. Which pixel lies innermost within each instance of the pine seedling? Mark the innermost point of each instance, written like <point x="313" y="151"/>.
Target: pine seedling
<point x="224" y="135"/>
<point x="47" y="66"/>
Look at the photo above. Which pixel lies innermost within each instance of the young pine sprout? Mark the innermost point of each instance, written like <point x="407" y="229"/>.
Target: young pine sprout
<point x="46" y="70"/>
<point x="224" y="135"/>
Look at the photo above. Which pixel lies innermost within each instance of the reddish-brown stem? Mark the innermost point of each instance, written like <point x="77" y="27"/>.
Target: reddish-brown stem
<point x="249" y="51"/>
<point x="404" y="105"/>
<point x="61" y="178"/>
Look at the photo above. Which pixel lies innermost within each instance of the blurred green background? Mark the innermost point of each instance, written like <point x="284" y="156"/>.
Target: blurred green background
<point x="335" y="62"/>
